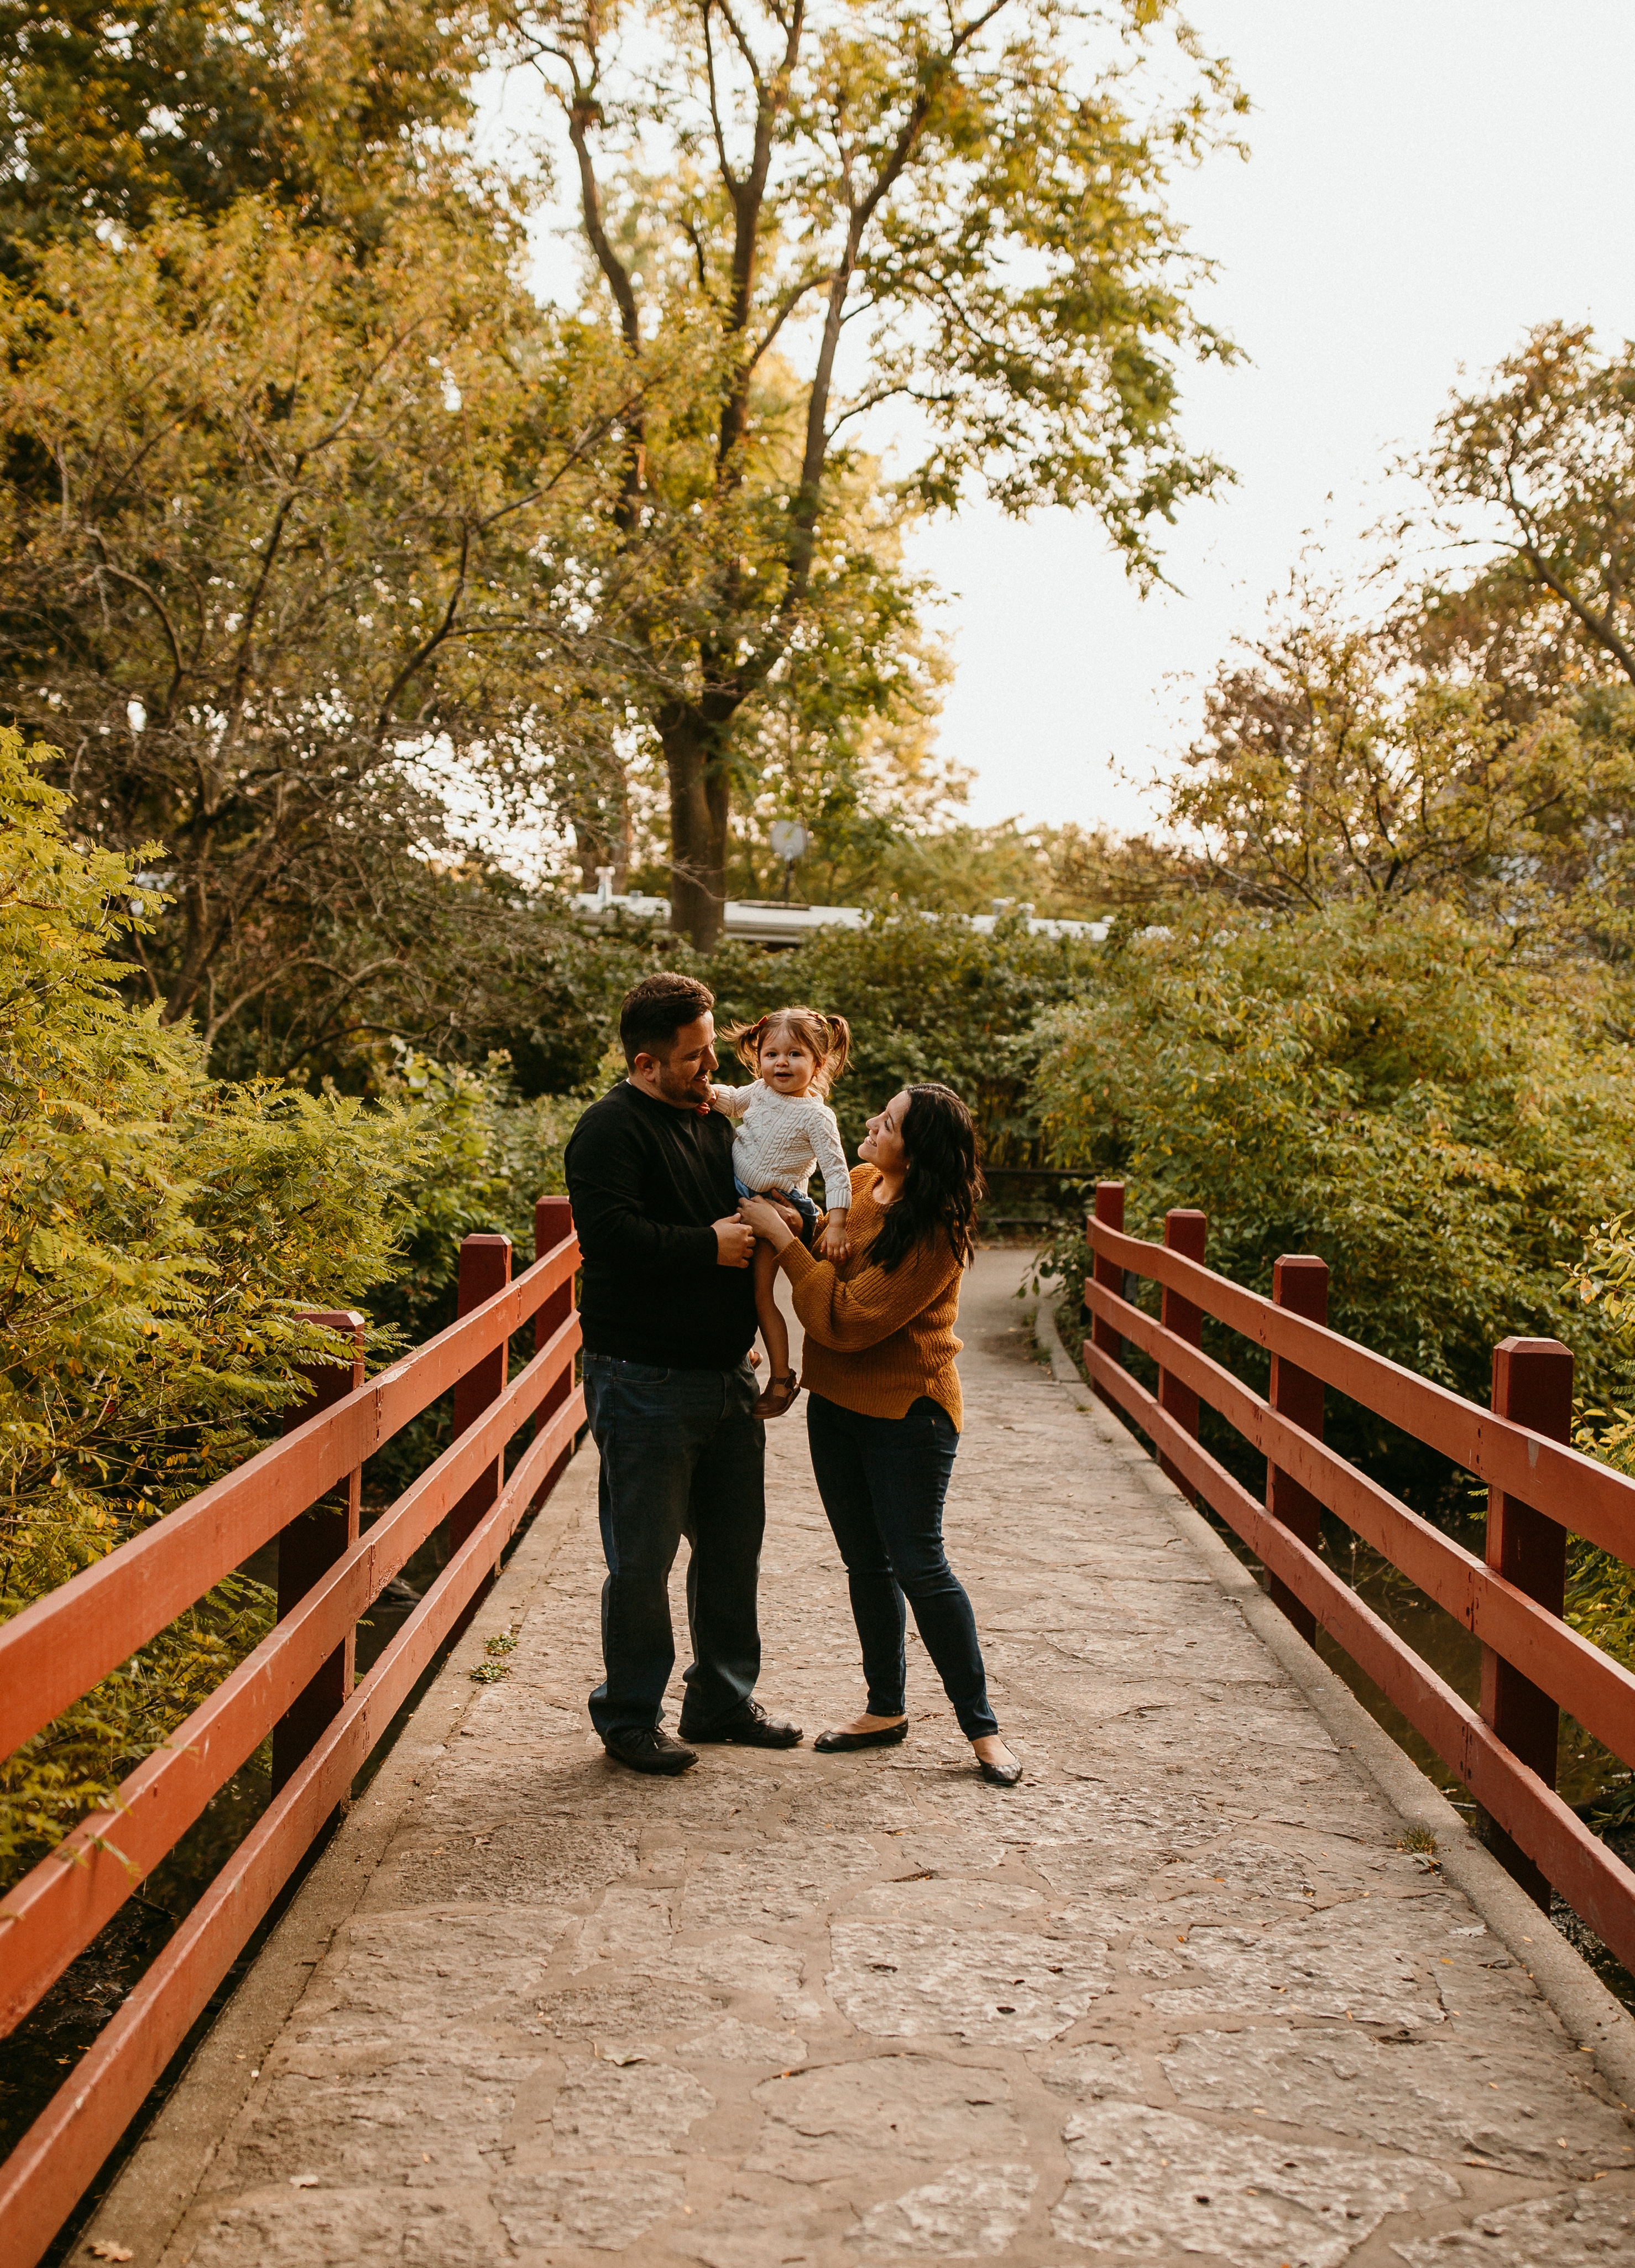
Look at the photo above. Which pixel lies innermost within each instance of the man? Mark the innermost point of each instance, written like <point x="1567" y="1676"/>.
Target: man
<point x="669" y="1311"/>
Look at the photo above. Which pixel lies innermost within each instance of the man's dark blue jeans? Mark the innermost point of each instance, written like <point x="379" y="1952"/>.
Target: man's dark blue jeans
<point x="883" y="1481"/>
<point x="681" y="1456"/>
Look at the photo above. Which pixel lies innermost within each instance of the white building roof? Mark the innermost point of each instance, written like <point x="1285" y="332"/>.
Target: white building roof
<point x="769" y="923"/>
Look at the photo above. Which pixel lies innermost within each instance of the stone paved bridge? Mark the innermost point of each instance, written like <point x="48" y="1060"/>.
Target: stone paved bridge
<point x="1182" y="1995"/>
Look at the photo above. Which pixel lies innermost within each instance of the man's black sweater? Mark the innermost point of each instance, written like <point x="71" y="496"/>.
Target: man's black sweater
<point x="647" y="1181"/>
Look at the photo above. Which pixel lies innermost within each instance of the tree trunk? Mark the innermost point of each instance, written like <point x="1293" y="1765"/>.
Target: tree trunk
<point x="601" y="832"/>
<point x="701" y="803"/>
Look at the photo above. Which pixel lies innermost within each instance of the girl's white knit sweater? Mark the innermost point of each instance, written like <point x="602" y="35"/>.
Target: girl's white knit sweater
<point x="783" y="1138"/>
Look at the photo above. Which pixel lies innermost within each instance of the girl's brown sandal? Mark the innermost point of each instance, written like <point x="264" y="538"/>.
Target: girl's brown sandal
<point x="780" y="1394"/>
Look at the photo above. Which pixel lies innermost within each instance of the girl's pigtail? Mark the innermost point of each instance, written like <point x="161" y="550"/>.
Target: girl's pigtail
<point x="745" y="1040"/>
<point x="839" y="1052"/>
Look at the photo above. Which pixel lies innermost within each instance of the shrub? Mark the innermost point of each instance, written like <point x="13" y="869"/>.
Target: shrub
<point x="1601" y="1590"/>
<point x="158" y="1231"/>
<point x="1397" y="1091"/>
<point x="928" y="998"/>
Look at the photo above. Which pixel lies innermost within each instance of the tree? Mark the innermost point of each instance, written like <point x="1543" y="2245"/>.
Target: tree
<point x="969" y="198"/>
<point x="1328" y="770"/>
<point x="114" y="113"/>
<point x="1547" y="453"/>
<point x="279" y="532"/>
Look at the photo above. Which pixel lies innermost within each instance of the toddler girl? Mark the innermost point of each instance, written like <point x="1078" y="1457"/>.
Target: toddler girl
<point x="785" y="1130"/>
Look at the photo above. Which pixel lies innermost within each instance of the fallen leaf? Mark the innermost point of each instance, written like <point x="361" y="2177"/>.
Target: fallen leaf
<point x="104" y="2250"/>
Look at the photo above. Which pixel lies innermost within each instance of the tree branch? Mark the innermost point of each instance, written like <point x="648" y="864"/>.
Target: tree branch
<point x="105" y="566"/>
<point x="429" y="646"/>
<point x="716" y="128"/>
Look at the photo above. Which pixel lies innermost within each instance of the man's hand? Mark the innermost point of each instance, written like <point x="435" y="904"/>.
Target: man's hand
<point x="734" y="1242"/>
<point x="771" y="1221"/>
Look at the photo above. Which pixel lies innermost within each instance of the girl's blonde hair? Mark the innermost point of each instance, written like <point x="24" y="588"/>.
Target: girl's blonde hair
<point x="827" y="1039"/>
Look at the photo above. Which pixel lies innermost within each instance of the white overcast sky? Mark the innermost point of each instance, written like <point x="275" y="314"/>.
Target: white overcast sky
<point x="1427" y="179"/>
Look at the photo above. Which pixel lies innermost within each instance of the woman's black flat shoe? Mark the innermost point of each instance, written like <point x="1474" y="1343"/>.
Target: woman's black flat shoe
<point x="829" y="1744"/>
<point x="1001" y="1775"/>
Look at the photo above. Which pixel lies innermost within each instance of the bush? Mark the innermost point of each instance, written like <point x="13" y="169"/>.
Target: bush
<point x="158" y="1232"/>
<point x="482" y="1156"/>
<point x="928" y="998"/>
<point x="1601" y="1590"/>
<point x="1395" y="1092"/>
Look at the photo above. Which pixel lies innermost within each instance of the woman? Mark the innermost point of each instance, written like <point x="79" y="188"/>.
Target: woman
<point x="883" y="1406"/>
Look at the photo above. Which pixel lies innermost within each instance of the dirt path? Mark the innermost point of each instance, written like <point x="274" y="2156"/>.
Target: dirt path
<point x="1179" y="1996"/>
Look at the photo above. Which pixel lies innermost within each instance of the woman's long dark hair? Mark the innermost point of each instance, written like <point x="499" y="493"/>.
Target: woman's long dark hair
<point x="944" y="1184"/>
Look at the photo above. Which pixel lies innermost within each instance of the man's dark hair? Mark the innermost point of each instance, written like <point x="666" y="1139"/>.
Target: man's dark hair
<point x="654" y="1010"/>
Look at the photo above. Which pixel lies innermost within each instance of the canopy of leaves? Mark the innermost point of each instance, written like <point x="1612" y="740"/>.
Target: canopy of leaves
<point x="276" y="562"/>
<point x="1328" y="769"/>
<point x="1545" y="455"/>
<point x="112" y="113"/>
<point x="975" y="202"/>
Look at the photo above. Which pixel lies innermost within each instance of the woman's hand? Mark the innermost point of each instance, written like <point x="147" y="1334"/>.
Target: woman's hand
<point x="762" y="1215"/>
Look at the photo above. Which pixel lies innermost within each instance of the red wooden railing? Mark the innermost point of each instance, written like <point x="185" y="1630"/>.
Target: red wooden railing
<point x="297" y="1685"/>
<point x="1539" y="1489"/>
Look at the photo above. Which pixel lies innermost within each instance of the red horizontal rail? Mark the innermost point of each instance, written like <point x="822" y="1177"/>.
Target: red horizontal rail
<point x="1595" y="1884"/>
<point x="57" y="1649"/>
<point x="1599" y="1692"/>
<point x="57" y="1908"/>
<point x="1590" y="1498"/>
<point x="62" y="2151"/>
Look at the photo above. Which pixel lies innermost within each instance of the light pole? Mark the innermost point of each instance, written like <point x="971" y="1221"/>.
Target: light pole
<point x="790" y="842"/>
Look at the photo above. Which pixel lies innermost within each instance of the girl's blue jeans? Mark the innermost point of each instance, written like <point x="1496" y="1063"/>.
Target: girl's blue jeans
<point x="883" y="1481"/>
<point x="798" y="1199"/>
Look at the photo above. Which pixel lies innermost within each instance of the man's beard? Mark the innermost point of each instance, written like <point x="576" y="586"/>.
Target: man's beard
<point x="676" y="1089"/>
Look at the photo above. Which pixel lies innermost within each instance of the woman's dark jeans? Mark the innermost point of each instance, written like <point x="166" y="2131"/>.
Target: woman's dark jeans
<point x="883" y="1481"/>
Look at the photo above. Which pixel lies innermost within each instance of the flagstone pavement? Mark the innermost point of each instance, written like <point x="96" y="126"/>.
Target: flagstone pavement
<point x="1180" y="1997"/>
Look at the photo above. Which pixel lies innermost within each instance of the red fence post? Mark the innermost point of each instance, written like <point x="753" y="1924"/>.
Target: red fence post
<point x="1533" y="1387"/>
<point x="484" y="1269"/>
<point x="1109" y="1210"/>
<point x="553" y="1224"/>
<point x="1185" y="1231"/>
<point x="310" y="1545"/>
<point x="1300" y="1282"/>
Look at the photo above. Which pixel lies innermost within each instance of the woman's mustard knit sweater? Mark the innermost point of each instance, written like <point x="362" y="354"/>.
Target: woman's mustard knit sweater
<point x="875" y="1342"/>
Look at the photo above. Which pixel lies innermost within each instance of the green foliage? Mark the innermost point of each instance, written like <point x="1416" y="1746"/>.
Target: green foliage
<point x="928" y="998"/>
<point x="1394" y="1091"/>
<point x="158" y="1231"/>
<point x="302" y="578"/>
<point x="1327" y="771"/>
<point x="485" y="1155"/>
<point x="1601" y="1589"/>
<point x="114" y="111"/>
<point x="1545" y="453"/>
<point x="982" y="197"/>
